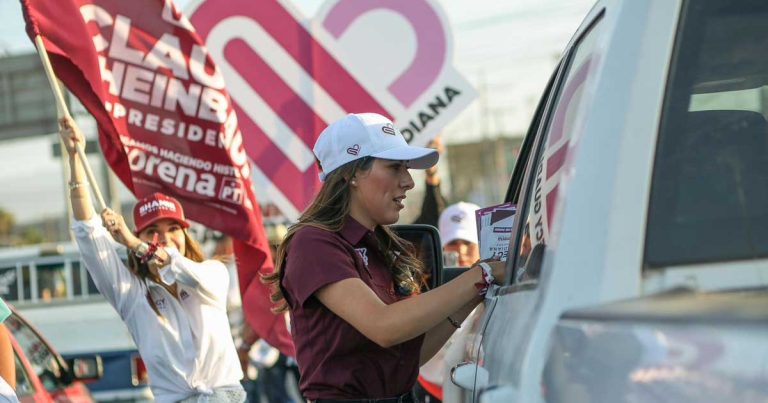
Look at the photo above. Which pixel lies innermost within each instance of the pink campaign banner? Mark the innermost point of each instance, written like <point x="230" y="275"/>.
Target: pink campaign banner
<point x="286" y="160"/>
<point x="290" y="77"/>
<point x="166" y="122"/>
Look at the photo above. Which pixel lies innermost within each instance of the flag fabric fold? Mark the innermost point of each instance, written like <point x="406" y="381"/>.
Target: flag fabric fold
<point x="166" y="122"/>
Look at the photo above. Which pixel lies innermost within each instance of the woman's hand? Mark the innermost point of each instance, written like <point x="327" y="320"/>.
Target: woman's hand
<point x="431" y="173"/>
<point x="160" y="260"/>
<point x="71" y="135"/>
<point x="115" y="224"/>
<point x="498" y="269"/>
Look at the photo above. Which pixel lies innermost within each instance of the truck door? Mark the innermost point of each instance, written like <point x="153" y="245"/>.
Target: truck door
<point x="500" y="348"/>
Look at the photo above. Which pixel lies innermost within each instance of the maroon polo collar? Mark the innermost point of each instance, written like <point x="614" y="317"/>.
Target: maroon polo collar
<point x="352" y="231"/>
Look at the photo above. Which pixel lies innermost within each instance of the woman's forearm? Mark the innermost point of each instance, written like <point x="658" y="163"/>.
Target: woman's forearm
<point x="210" y="277"/>
<point x="433" y="307"/>
<point x="7" y="368"/>
<point x="79" y="194"/>
<point x="388" y="325"/>
<point x="436" y="337"/>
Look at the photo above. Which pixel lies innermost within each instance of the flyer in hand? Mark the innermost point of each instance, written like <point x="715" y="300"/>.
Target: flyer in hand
<point x="494" y="229"/>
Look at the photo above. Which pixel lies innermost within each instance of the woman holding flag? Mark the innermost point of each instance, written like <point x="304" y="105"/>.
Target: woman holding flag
<point x="172" y="300"/>
<point x="359" y="325"/>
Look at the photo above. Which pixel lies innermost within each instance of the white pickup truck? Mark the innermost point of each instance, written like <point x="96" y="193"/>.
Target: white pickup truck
<point x="638" y="266"/>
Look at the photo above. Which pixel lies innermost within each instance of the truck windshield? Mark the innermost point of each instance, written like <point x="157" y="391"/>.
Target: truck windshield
<point x="709" y="199"/>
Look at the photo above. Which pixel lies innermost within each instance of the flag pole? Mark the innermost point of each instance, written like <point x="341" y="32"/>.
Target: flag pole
<point x="63" y="112"/>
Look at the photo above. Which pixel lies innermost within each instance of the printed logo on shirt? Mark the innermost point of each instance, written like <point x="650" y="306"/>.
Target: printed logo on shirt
<point x="363" y="252"/>
<point x="160" y="303"/>
<point x="184" y="295"/>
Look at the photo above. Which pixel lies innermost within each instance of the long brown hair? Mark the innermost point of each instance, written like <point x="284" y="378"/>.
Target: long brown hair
<point x="329" y="211"/>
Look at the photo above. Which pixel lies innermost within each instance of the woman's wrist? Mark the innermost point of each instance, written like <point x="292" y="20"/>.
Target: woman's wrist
<point x="487" y="272"/>
<point x="139" y="249"/>
<point x="243" y="345"/>
<point x="133" y="244"/>
<point x="75" y="184"/>
<point x="486" y="278"/>
<point x="432" y="179"/>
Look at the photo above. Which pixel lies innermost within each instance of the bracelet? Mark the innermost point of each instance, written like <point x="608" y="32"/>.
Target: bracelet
<point x="151" y="249"/>
<point x="487" y="272"/>
<point x="146" y="251"/>
<point x="455" y="324"/>
<point x="482" y="286"/>
<point x="75" y="185"/>
<point x="242" y="345"/>
<point x="141" y="250"/>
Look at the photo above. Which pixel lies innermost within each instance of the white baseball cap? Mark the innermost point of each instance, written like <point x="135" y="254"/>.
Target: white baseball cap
<point x="458" y="221"/>
<point x="359" y="135"/>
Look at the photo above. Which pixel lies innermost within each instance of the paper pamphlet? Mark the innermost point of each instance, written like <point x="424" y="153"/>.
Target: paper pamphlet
<point x="494" y="229"/>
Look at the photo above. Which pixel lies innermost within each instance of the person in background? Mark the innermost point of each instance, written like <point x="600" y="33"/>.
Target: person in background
<point x="352" y="286"/>
<point x="434" y="201"/>
<point x="458" y="235"/>
<point x="224" y="251"/>
<point x="7" y="360"/>
<point x="458" y="232"/>
<point x="171" y="299"/>
<point x="273" y="367"/>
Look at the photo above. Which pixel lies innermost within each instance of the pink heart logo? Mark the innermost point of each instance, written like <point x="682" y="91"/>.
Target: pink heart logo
<point x="305" y="79"/>
<point x="353" y="150"/>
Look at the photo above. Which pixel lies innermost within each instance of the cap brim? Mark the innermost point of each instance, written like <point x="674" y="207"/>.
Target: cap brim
<point x="468" y="236"/>
<point x="183" y="223"/>
<point x="417" y="157"/>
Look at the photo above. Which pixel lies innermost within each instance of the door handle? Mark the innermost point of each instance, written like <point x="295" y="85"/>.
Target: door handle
<point x="468" y="375"/>
<point x="463" y="375"/>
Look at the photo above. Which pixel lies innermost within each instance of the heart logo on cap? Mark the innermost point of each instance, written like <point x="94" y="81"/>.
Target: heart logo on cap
<point x="388" y="129"/>
<point x="353" y="150"/>
<point x="457" y="218"/>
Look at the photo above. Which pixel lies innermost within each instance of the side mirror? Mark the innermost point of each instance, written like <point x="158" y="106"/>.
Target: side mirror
<point x="426" y="241"/>
<point x="86" y="368"/>
<point x="449" y="273"/>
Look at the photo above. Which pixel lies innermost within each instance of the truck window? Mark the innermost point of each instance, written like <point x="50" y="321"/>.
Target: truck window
<point x="558" y="141"/>
<point x="24" y="386"/>
<point x="43" y="361"/>
<point x="52" y="281"/>
<point x="709" y="198"/>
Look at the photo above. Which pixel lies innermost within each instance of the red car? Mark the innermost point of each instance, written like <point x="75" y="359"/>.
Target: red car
<point x="42" y="375"/>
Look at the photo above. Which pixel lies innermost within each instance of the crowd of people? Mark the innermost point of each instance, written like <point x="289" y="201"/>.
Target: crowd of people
<point x="362" y="320"/>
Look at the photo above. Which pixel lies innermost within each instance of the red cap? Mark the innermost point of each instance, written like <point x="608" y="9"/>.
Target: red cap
<point x="156" y="207"/>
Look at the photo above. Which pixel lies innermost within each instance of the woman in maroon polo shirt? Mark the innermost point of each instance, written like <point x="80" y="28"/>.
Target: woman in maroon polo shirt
<point x="359" y="327"/>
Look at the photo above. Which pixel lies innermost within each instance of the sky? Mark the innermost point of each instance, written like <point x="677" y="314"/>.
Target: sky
<point x="507" y="49"/>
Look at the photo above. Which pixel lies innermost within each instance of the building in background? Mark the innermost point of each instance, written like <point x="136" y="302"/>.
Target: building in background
<point x="479" y="171"/>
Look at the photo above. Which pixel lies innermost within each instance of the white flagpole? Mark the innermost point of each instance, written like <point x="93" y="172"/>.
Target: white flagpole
<point x="62" y="111"/>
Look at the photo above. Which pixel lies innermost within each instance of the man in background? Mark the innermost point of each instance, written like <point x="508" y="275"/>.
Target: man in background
<point x="458" y="235"/>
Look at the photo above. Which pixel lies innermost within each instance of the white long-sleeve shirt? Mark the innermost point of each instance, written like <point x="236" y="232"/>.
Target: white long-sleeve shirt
<point x="189" y="349"/>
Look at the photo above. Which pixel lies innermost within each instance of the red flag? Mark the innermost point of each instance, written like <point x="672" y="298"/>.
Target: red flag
<point x="166" y="122"/>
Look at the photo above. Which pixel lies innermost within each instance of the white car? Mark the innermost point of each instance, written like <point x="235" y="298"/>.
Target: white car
<point x="639" y="258"/>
